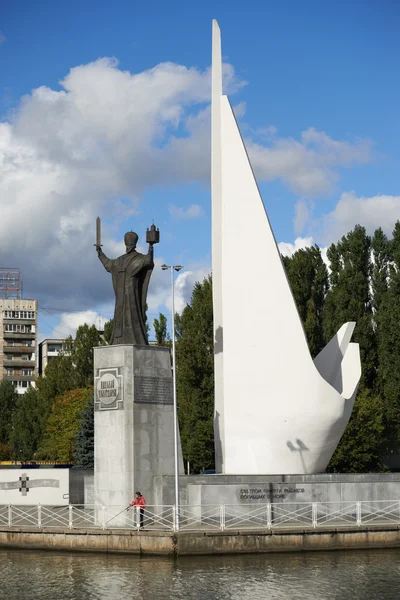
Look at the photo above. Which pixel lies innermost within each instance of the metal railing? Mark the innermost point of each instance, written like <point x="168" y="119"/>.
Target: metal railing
<point x="213" y="517"/>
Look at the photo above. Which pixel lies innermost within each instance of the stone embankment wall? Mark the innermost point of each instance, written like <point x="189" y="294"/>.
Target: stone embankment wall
<point x="200" y="543"/>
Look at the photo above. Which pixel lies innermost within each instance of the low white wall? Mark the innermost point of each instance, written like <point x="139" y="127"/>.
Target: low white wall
<point x="34" y="486"/>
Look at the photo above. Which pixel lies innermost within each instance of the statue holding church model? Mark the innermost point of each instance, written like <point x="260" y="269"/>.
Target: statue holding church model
<point x="131" y="274"/>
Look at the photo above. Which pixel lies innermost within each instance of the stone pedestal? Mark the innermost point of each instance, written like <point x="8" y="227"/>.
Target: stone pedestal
<point x="133" y="423"/>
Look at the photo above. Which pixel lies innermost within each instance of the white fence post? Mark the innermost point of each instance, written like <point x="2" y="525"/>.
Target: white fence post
<point x="39" y="516"/>
<point x="314" y="512"/>
<point x="137" y="511"/>
<point x="9" y="515"/>
<point x="174" y="519"/>
<point x="358" y="513"/>
<point x="103" y="517"/>
<point x="269" y="515"/>
<point x="70" y="516"/>
<point x="222" y="517"/>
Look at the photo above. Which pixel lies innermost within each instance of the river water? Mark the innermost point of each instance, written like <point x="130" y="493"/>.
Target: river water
<point x="361" y="575"/>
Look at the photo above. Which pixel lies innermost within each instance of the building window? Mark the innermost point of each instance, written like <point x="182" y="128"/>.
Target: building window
<point x="54" y="348"/>
<point x="19" y="314"/>
<point x="21" y="384"/>
<point x="17" y="328"/>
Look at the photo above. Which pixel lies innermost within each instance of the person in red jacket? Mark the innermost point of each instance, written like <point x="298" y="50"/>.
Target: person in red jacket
<point x="139" y="501"/>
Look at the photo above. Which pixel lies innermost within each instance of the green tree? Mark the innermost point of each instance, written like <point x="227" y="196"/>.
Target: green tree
<point x="108" y="328"/>
<point x="308" y="278"/>
<point x="57" y="379"/>
<point x="161" y="330"/>
<point x="59" y="441"/>
<point x="195" y="378"/>
<point x="81" y="352"/>
<point x="381" y="249"/>
<point x="8" y="403"/>
<point x="389" y="342"/>
<point x="360" y="449"/>
<point x="84" y="447"/>
<point x="349" y="297"/>
<point x="26" y="426"/>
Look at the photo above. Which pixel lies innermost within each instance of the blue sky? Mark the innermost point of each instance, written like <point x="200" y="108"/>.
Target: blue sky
<point x="315" y="86"/>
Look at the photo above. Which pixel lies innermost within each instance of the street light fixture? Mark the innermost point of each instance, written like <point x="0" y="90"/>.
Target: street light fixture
<point x="176" y="461"/>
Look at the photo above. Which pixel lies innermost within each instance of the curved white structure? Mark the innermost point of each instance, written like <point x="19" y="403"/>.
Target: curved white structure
<point x="276" y="410"/>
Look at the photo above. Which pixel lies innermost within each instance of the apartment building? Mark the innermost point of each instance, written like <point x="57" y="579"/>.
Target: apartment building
<point x="18" y="342"/>
<point x="48" y="349"/>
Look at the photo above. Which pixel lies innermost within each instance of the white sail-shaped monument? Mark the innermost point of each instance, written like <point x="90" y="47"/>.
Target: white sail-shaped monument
<point x="276" y="410"/>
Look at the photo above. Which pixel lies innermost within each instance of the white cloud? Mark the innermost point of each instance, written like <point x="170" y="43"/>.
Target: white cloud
<point x="287" y="248"/>
<point x="267" y="132"/>
<point x="67" y="156"/>
<point x="371" y="212"/>
<point x="239" y="110"/>
<point x="194" y="211"/>
<point x="303" y="212"/>
<point x="184" y="286"/>
<point x="160" y="292"/>
<point x="309" y="167"/>
<point x="69" y="322"/>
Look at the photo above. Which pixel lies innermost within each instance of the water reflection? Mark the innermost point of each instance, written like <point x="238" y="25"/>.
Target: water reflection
<point x="318" y="576"/>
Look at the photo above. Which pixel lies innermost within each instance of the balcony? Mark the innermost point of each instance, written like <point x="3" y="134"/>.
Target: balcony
<point x="8" y="321"/>
<point x="28" y="364"/>
<point x="17" y="335"/>
<point x="18" y="349"/>
<point x="17" y="377"/>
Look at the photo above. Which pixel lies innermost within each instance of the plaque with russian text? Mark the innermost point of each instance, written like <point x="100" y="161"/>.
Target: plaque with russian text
<point x="155" y="390"/>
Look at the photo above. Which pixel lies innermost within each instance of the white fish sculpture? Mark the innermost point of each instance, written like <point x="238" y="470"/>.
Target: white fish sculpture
<point x="277" y="411"/>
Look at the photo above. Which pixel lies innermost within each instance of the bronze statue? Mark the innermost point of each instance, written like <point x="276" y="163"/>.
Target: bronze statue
<point x="131" y="274"/>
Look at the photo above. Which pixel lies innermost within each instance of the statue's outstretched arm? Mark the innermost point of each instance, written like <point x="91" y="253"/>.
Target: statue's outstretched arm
<point x="149" y="257"/>
<point x="107" y="262"/>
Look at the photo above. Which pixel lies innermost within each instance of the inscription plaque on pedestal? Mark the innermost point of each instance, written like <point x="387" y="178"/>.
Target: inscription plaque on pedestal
<point x="153" y="389"/>
<point x="108" y="389"/>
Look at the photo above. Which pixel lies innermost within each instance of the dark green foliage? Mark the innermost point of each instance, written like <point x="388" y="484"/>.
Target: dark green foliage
<point x="308" y="278"/>
<point x="360" y="449"/>
<point x="26" y="426"/>
<point x="380" y="269"/>
<point x="59" y="377"/>
<point x="8" y="403"/>
<point x="195" y="378"/>
<point x="59" y="440"/>
<point x="81" y="352"/>
<point x="349" y="297"/>
<point x="84" y="447"/>
<point x="389" y="343"/>
<point x="8" y="400"/>
<point x="161" y="330"/>
<point x="108" y="327"/>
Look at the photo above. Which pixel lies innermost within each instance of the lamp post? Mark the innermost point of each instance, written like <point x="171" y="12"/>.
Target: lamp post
<point x="176" y="462"/>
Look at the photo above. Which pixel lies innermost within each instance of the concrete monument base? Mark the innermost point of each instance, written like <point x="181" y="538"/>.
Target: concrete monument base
<point x="133" y="422"/>
<point x="206" y="490"/>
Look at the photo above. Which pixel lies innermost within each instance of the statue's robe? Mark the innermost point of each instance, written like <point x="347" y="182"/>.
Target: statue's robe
<point x="130" y="275"/>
